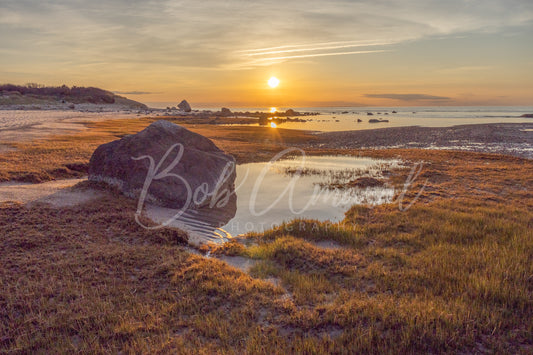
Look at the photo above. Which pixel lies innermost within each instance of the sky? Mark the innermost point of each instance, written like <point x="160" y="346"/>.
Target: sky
<point x="325" y="53"/>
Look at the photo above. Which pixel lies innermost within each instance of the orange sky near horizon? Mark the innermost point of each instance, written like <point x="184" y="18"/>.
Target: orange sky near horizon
<point x="335" y="53"/>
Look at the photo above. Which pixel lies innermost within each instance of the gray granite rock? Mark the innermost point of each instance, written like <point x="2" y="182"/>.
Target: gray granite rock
<point x="127" y="162"/>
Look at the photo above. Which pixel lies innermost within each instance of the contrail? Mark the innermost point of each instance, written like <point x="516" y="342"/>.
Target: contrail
<point x="317" y="48"/>
<point x="312" y="45"/>
<point x="318" y="55"/>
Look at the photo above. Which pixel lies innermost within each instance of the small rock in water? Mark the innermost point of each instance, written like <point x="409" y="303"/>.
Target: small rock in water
<point x="184" y="106"/>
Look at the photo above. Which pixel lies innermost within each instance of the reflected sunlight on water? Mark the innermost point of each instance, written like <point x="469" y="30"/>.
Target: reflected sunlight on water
<point x="357" y="118"/>
<point x="271" y="193"/>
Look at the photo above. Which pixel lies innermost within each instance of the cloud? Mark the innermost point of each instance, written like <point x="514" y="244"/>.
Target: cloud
<point x="213" y="34"/>
<point x="298" y="51"/>
<point x="276" y="59"/>
<point x="408" y="97"/>
<point x="386" y="22"/>
<point x="311" y="47"/>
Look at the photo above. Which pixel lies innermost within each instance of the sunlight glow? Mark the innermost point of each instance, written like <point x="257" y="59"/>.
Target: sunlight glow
<point x="273" y="82"/>
<point x="273" y="109"/>
<point x="273" y="125"/>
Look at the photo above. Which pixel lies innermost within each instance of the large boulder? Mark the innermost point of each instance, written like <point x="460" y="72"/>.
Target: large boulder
<point x="126" y="163"/>
<point x="184" y="106"/>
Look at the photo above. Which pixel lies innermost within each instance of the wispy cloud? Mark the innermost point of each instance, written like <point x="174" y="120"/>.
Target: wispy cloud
<point x="408" y="97"/>
<point x="263" y="56"/>
<point x="311" y="47"/>
<point x="317" y="55"/>
<point x="173" y="41"/>
<point x="210" y="33"/>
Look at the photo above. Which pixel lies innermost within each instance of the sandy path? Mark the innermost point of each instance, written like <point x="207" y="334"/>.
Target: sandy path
<point x="21" y="125"/>
<point x="56" y="193"/>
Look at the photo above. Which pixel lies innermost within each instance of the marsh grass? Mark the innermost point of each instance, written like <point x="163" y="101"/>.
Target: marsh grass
<point x="375" y="170"/>
<point x="451" y="274"/>
<point x="432" y="285"/>
<point x="90" y="279"/>
<point x="315" y="230"/>
<point x="67" y="155"/>
<point x="62" y="156"/>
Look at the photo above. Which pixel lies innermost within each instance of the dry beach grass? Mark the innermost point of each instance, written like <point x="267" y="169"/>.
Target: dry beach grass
<point x="451" y="274"/>
<point x="67" y="155"/>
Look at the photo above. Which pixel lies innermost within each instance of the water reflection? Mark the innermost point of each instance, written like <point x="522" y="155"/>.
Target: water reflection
<point x="268" y="194"/>
<point x="202" y="225"/>
<point x="276" y="121"/>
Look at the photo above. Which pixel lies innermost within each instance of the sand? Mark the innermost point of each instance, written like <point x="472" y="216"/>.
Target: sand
<point x="502" y="138"/>
<point x="239" y="262"/>
<point x="23" y="126"/>
<point x="57" y="193"/>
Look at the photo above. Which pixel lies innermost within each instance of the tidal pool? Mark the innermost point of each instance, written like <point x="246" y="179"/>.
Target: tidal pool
<point x="271" y="193"/>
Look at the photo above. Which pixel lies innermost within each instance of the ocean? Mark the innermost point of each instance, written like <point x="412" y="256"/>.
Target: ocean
<point x="346" y="118"/>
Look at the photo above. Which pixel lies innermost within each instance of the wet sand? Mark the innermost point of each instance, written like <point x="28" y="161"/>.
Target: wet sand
<point x="26" y="125"/>
<point x="502" y="138"/>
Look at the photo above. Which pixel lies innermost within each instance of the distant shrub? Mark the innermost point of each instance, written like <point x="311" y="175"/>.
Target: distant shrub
<point x="62" y="93"/>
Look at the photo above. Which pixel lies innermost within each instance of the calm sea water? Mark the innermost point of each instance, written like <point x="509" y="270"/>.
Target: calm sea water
<point x="346" y="118"/>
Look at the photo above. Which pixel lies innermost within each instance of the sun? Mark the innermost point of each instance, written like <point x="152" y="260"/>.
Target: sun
<point x="273" y="82"/>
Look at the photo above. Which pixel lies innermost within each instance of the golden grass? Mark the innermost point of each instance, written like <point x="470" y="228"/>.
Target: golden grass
<point x="451" y="274"/>
<point x="68" y="155"/>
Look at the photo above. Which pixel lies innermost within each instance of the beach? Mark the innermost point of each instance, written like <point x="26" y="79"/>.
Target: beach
<point x="269" y="177"/>
<point x="26" y="125"/>
<point x="458" y="199"/>
<point x="502" y="138"/>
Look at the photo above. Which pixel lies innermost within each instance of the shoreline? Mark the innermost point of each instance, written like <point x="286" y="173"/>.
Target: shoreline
<point x="392" y="262"/>
<point x="38" y="135"/>
<point x="514" y="139"/>
<point x="505" y="138"/>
